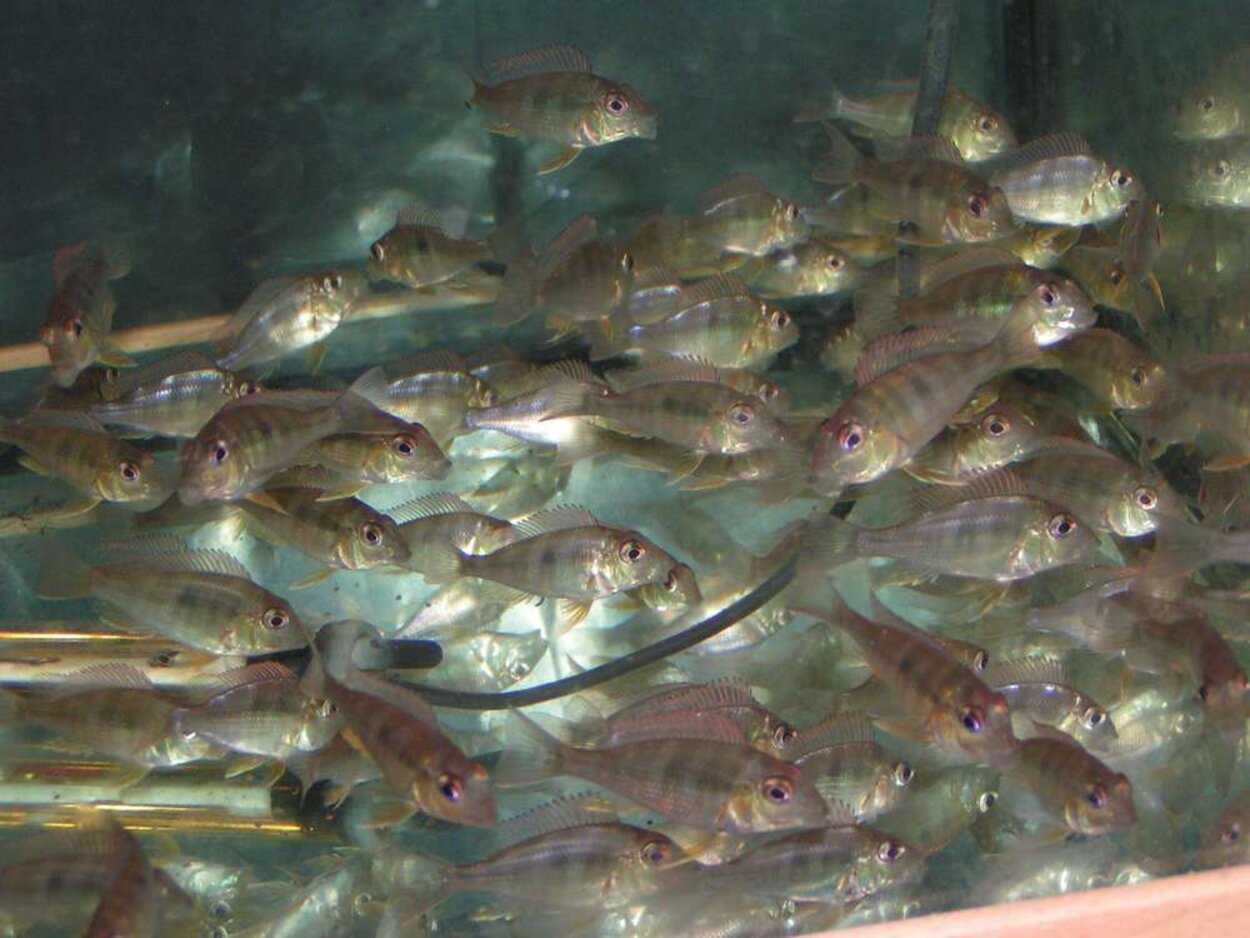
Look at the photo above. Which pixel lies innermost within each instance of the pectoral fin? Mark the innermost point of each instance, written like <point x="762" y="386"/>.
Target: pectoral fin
<point x="560" y="160"/>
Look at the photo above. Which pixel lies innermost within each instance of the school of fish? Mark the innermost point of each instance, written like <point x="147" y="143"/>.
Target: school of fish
<point x="961" y="392"/>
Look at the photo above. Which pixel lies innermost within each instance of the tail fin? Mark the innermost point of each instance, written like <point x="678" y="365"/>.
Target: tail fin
<point x="532" y="754"/>
<point x="827" y="543"/>
<point x="63" y="575"/>
<point x="832" y="105"/>
<point x="842" y="163"/>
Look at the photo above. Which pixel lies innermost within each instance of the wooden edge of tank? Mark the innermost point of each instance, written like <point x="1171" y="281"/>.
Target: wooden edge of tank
<point x="1208" y="903"/>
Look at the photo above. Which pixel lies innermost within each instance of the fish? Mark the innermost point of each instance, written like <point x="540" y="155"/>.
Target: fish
<point x="1217" y="174"/>
<point x="428" y="248"/>
<point x="563" y="552"/>
<point x="172" y="397"/>
<point x="551" y="94"/>
<point x="1223" y="841"/>
<point x="400" y="732"/>
<point x="434" y="389"/>
<point x="286" y="314"/>
<point x="1041" y="246"/>
<point x="356" y="460"/>
<point x="1118" y="373"/>
<point x="252" y="439"/>
<point x="486" y="662"/>
<point x="707" y="784"/>
<point x="261" y="710"/>
<point x="575" y="278"/>
<point x="80" y="313"/>
<point x="816" y="267"/>
<point x="1058" y="180"/>
<point x="75" y="448"/>
<point x="344" y="533"/>
<point x="1202" y="400"/>
<point x="945" y="804"/>
<point x="993" y="438"/>
<point x="977" y="130"/>
<point x="203" y="599"/>
<point x="718" y="320"/>
<point x="1073" y="786"/>
<point x="583" y="865"/>
<point x="740" y="216"/>
<point x="850" y="768"/>
<point x="1217" y="107"/>
<point x="897" y="411"/>
<point x="1105" y="275"/>
<point x="430" y="523"/>
<point x="932" y="192"/>
<point x="1039" y="689"/>
<point x="953" y="707"/>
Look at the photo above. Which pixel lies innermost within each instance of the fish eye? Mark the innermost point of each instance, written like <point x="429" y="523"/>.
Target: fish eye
<point x="333" y="282"/>
<point x="371" y="533"/>
<point x="518" y="669"/>
<point x="404" y="445"/>
<point x="74" y="327"/>
<point x="1097" y="797"/>
<point x="220" y="909"/>
<point x="972" y="719"/>
<point x="1094" y="717"/>
<point x="1138" y="376"/>
<point x="1121" y="178"/>
<point x="326" y="709"/>
<point x="1220" y="169"/>
<point x="164" y="659"/>
<point x="981" y="661"/>
<point x="1231" y="834"/>
<point x="977" y="205"/>
<point x="632" y="551"/>
<point x="778" y="789"/>
<point x="616" y="103"/>
<point x="783" y="735"/>
<point x="903" y="774"/>
<point x="450" y="786"/>
<point x="988" y="123"/>
<point x="780" y="319"/>
<point x="1048" y="294"/>
<point x="792" y="211"/>
<point x="1207" y="103"/>
<point x="986" y="801"/>
<point x="890" y="851"/>
<point x="1061" y="526"/>
<point x="850" y="437"/>
<point x="129" y="471"/>
<point x="1204" y="692"/>
<point x="835" y="262"/>
<point x="377" y="252"/>
<point x="655" y="852"/>
<point x="248" y="388"/>
<point x="995" y="424"/>
<point x="1116" y="275"/>
<point x="1146" y="497"/>
<point x="220" y="451"/>
<point x="742" y="414"/>
<point x="276" y="619"/>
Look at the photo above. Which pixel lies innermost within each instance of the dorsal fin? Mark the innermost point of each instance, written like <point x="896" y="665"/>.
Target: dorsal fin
<point x="576" y="810"/>
<point x="258" y="673"/>
<point x="452" y="221"/>
<point x="1052" y="146"/>
<point x="965" y="262"/>
<point x="214" y="562"/>
<point x="716" y="724"/>
<point x="1027" y="671"/>
<point x="891" y="351"/>
<point x="838" y="730"/>
<point x="716" y="287"/>
<point x="733" y="188"/>
<point x="580" y="231"/>
<point x="179" y="363"/>
<point x="727" y="692"/>
<point x="1000" y="483"/>
<point x="1066" y="445"/>
<point x="302" y="399"/>
<point x="573" y="369"/>
<point x="428" y="506"/>
<point x="540" y="61"/>
<point x="664" y="371"/>
<point x="558" y="518"/>
<point x="262" y="295"/>
<point x="427" y="362"/>
<point x="65" y="420"/>
<point x="107" y="674"/>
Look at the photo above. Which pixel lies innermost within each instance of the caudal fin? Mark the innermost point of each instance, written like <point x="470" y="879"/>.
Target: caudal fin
<point x="827" y="543"/>
<point x="532" y="754"/>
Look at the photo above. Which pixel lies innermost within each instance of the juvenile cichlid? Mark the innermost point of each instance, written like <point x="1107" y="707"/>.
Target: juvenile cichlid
<point x="286" y="314"/>
<point x="204" y="599"/>
<point x="354" y="460"/>
<point x="175" y="396"/>
<point x="551" y="94"/>
<point x="817" y="267"/>
<point x="80" y="313"/>
<point x="997" y="436"/>
<point x="1039" y="689"/>
<point x="977" y="130"/>
<point x="429" y="524"/>
<point x="75" y="448"/>
<point x="740" y="216"/>
<point x="486" y="662"/>
<point x="1074" y="787"/>
<point x="1120" y="374"/>
<point x="1058" y="180"/>
<point x="933" y="192"/>
<point x="707" y="783"/>
<point x="1217" y="174"/>
<point x="425" y="249"/>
